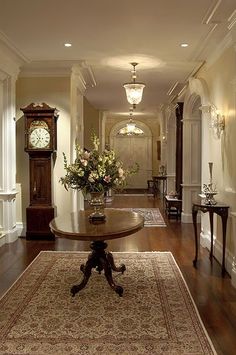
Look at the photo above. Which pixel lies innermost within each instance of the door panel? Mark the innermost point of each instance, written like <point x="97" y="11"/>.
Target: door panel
<point x="133" y="150"/>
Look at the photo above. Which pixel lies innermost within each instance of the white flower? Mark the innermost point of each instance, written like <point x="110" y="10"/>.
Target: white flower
<point x="120" y="172"/>
<point x="84" y="162"/>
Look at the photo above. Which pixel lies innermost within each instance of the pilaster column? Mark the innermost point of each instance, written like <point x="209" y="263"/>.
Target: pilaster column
<point x="163" y="134"/>
<point x="102" y="129"/>
<point x="78" y="87"/>
<point x="170" y="146"/>
<point x="192" y="165"/>
<point x="8" y="230"/>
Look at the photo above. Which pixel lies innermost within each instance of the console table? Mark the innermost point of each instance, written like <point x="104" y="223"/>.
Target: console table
<point x="173" y="206"/>
<point x="156" y="184"/>
<point x="78" y="226"/>
<point x="221" y="210"/>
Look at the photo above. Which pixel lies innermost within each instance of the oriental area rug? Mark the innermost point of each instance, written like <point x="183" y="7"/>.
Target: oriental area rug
<point x="152" y="216"/>
<point x="156" y="314"/>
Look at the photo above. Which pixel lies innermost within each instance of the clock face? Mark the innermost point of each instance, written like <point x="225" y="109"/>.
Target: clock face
<point x="39" y="138"/>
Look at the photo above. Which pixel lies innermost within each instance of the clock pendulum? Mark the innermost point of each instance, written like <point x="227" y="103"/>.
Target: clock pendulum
<point x="40" y="143"/>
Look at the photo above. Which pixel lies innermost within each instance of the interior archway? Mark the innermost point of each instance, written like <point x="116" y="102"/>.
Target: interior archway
<point x="193" y="121"/>
<point x="134" y="149"/>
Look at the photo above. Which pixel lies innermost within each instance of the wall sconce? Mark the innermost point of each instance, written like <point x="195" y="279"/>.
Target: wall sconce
<point x="217" y="120"/>
<point x="217" y="123"/>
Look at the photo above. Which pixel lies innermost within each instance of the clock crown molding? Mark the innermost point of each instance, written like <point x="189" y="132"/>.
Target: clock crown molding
<point x="40" y="107"/>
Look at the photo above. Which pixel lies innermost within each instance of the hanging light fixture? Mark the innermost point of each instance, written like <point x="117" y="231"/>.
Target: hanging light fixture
<point x="130" y="129"/>
<point x="134" y="90"/>
<point x="130" y="126"/>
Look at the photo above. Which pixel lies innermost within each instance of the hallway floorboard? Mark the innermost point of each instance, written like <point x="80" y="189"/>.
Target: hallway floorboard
<point x="214" y="296"/>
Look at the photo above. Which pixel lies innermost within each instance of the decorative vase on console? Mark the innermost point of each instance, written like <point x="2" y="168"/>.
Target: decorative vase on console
<point x="209" y="190"/>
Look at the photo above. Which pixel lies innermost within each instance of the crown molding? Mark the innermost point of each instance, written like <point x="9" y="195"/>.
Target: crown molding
<point x="12" y="50"/>
<point x="211" y="11"/>
<point x="232" y="20"/>
<point x="59" y="68"/>
<point x="226" y="43"/>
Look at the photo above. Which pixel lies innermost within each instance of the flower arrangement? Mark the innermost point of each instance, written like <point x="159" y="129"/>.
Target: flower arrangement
<point x="95" y="172"/>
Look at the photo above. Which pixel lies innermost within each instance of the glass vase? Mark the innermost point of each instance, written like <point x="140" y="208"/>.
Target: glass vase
<point x="97" y="202"/>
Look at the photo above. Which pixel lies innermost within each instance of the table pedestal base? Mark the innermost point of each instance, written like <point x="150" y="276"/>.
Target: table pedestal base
<point x="101" y="260"/>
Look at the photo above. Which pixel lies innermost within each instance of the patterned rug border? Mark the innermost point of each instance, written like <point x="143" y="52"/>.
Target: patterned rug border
<point x="119" y="253"/>
<point x="153" y="209"/>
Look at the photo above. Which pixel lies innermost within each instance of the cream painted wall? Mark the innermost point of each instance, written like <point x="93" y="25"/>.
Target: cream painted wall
<point x="56" y="93"/>
<point x="154" y="126"/>
<point x="91" y="123"/>
<point x="220" y="78"/>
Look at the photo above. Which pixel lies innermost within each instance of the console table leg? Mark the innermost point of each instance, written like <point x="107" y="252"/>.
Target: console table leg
<point x="211" y="227"/>
<point x="224" y="218"/>
<point x="194" y="216"/>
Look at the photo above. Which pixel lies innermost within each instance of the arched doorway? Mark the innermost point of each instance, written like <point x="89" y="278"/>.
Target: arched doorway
<point x="193" y="127"/>
<point x="134" y="149"/>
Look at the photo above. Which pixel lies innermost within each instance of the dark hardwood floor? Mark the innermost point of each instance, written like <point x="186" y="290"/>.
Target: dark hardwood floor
<point x="214" y="296"/>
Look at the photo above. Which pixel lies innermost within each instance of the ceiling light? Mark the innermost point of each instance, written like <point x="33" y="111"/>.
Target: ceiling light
<point x="134" y="90"/>
<point x="130" y="126"/>
<point x="130" y="129"/>
<point x="67" y="44"/>
<point x="184" y="44"/>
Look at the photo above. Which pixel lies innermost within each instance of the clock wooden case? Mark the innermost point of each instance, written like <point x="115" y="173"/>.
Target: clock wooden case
<point x="40" y="143"/>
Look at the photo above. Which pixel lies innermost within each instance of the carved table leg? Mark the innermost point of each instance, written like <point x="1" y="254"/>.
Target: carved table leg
<point x="100" y="260"/>
<point x="211" y="227"/>
<point x="108" y="274"/>
<point x="86" y="269"/>
<point x="224" y="217"/>
<point x="110" y="259"/>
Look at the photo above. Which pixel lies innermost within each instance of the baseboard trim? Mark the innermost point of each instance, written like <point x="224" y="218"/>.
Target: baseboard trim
<point x="10" y="237"/>
<point x="187" y="218"/>
<point x="21" y="230"/>
<point x="205" y="241"/>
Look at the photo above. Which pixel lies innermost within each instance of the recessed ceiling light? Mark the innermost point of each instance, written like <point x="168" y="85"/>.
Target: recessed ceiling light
<point x="67" y="44"/>
<point x="184" y="44"/>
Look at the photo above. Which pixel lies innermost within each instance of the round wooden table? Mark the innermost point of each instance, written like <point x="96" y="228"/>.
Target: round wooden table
<point x="78" y="226"/>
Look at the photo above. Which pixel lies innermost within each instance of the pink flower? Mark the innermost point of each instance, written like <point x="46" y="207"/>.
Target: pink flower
<point x="107" y="178"/>
<point x="84" y="162"/>
<point x="86" y="155"/>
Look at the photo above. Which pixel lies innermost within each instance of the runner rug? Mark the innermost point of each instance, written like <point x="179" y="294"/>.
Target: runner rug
<point x="152" y="216"/>
<point x="156" y="314"/>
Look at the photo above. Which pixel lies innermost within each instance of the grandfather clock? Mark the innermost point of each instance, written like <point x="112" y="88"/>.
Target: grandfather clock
<point x="40" y="143"/>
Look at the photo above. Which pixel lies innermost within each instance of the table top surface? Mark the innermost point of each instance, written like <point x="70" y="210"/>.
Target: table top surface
<point x="200" y="203"/>
<point x="78" y="226"/>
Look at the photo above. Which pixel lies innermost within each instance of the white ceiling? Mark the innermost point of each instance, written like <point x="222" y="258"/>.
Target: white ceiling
<point x="107" y="35"/>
